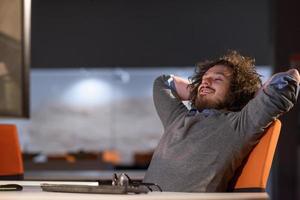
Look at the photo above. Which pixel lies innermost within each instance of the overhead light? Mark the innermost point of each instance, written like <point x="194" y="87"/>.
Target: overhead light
<point x="89" y="93"/>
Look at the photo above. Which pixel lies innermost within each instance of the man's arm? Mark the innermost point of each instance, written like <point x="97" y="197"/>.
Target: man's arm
<point x="294" y="73"/>
<point x="277" y="96"/>
<point x="167" y="100"/>
<point x="182" y="88"/>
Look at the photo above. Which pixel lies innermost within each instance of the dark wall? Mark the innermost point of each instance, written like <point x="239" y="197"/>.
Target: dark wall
<point x="287" y="43"/>
<point x="96" y="33"/>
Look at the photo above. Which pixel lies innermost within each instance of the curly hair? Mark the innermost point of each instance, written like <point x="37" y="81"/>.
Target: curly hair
<point x="244" y="84"/>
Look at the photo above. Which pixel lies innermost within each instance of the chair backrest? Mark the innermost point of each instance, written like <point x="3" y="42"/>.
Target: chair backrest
<point x="255" y="171"/>
<point x="11" y="163"/>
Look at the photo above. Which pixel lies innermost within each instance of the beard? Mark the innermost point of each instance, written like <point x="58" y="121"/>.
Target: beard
<point x="203" y="102"/>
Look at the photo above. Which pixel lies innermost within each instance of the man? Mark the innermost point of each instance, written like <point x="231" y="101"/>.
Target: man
<point x="201" y="148"/>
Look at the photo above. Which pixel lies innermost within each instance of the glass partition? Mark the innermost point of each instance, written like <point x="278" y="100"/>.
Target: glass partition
<point x="94" y="110"/>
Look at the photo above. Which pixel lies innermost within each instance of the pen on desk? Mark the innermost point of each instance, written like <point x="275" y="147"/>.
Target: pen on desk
<point x="10" y="187"/>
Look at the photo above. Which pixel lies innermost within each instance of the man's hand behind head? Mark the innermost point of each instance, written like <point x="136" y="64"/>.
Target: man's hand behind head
<point x="295" y="74"/>
<point x="292" y="72"/>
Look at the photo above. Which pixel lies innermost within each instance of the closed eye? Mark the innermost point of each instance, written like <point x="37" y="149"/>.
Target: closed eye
<point x="218" y="79"/>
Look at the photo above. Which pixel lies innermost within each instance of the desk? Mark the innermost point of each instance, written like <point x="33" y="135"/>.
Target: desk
<point x="33" y="192"/>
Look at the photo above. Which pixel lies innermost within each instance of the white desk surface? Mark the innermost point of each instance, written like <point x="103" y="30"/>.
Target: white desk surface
<point x="31" y="191"/>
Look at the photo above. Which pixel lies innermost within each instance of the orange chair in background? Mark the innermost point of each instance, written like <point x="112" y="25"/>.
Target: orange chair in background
<point x="11" y="163"/>
<point x="253" y="176"/>
<point x="111" y="156"/>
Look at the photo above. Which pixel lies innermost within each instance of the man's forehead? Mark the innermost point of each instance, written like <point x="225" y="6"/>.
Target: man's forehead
<point x="220" y="70"/>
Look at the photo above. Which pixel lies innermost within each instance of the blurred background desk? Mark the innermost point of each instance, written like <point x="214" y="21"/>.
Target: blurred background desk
<point x="32" y="191"/>
<point x="74" y="175"/>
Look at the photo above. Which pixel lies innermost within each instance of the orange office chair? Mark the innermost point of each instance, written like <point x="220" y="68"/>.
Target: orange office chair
<point x="254" y="173"/>
<point x="11" y="163"/>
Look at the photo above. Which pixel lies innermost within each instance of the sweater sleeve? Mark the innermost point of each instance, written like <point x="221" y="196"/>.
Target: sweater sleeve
<point x="167" y="103"/>
<point x="275" y="98"/>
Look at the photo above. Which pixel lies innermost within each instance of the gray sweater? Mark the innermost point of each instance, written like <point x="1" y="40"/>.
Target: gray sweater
<point x="200" y="151"/>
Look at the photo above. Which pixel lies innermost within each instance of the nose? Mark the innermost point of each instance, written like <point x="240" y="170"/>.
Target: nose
<point x="206" y="81"/>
